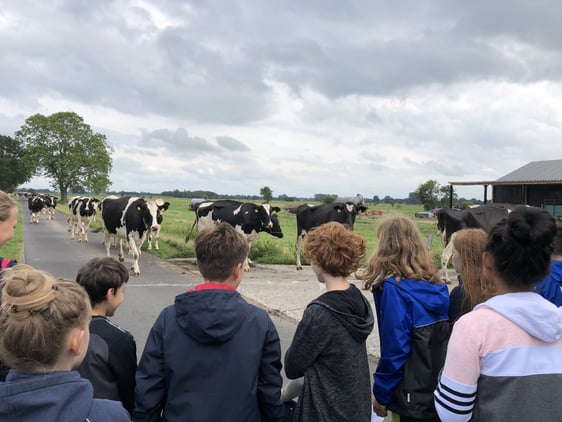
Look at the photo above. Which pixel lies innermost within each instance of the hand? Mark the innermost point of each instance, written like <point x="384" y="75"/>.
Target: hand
<point x="380" y="409"/>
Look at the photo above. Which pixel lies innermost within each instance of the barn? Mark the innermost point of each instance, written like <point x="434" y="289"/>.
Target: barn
<point x="537" y="183"/>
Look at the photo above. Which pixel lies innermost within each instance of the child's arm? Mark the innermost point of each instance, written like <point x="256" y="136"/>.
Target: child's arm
<point x="150" y="391"/>
<point x="269" y="378"/>
<point x="123" y="361"/>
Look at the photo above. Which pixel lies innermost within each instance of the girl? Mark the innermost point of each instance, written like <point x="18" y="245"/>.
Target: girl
<point x="8" y="221"/>
<point x="474" y="287"/>
<point x="504" y="359"/>
<point x="43" y="338"/>
<point x="412" y="314"/>
<point x="329" y="346"/>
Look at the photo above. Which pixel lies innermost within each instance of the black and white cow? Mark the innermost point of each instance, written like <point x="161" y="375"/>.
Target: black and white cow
<point x="311" y="216"/>
<point x="129" y="218"/>
<point x="451" y="220"/>
<point x="50" y="204"/>
<point x="250" y="219"/>
<point x="153" y="235"/>
<point x="82" y="211"/>
<point x="35" y="204"/>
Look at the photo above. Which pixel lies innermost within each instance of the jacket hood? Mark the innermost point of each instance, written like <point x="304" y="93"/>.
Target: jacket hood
<point x="211" y="316"/>
<point x="433" y="297"/>
<point x="358" y="323"/>
<point x="51" y="396"/>
<point x="531" y="312"/>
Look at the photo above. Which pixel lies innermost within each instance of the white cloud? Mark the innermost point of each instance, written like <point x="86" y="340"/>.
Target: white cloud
<point x="314" y="97"/>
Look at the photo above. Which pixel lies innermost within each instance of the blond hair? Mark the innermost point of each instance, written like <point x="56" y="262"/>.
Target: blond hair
<point x="335" y="249"/>
<point x="36" y="316"/>
<point x="470" y="244"/>
<point x="401" y="253"/>
<point x="6" y="205"/>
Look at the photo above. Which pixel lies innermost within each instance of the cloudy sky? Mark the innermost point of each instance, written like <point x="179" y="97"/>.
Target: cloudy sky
<point x="319" y="96"/>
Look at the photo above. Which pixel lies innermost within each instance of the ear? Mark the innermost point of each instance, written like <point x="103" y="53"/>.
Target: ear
<point x="77" y="336"/>
<point x="110" y="293"/>
<point x="488" y="262"/>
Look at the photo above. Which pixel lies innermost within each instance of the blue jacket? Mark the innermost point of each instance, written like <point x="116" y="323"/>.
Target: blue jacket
<point x="402" y="307"/>
<point x="210" y="357"/>
<point x="60" y="396"/>
<point x="551" y="287"/>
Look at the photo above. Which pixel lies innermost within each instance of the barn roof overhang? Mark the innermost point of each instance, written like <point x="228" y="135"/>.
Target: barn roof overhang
<point x="507" y="182"/>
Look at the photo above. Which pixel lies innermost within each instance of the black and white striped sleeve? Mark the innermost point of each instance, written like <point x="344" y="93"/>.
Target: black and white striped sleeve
<point x="454" y="401"/>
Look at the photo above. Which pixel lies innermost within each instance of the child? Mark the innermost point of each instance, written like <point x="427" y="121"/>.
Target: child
<point x="212" y="356"/>
<point x="111" y="361"/>
<point x="474" y="287"/>
<point x="44" y="337"/>
<point x="329" y="346"/>
<point x="412" y="315"/>
<point x="8" y="221"/>
<point x="551" y="287"/>
<point x="504" y="359"/>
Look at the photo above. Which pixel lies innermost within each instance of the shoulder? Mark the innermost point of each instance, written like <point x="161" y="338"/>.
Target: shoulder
<point x="108" y="329"/>
<point x="104" y="410"/>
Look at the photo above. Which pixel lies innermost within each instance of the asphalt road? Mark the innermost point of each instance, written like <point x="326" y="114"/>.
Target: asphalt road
<point x="48" y="247"/>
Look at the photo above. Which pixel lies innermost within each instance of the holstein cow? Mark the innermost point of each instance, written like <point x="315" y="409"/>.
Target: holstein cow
<point x="248" y="218"/>
<point x="129" y="218"/>
<point x="451" y="220"/>
<point x="82" y="212"/>
<point x="309" y="217"/>
<point x="50" y="203"/>
<point x="35" y="204"/>
<point x="153" y="235"/>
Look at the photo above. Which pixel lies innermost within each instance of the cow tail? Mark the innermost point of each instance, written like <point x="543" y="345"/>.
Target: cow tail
<point x="191" y="231"/>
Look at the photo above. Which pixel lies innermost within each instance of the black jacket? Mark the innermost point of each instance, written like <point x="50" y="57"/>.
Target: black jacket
<point x="210" y="357"/>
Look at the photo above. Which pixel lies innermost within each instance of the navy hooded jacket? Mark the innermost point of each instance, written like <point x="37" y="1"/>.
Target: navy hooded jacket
<point x="60" y="396"/>
<point x="210" y="357"/>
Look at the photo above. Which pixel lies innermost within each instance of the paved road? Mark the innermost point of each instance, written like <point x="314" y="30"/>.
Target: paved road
<point x="48" y="247"/>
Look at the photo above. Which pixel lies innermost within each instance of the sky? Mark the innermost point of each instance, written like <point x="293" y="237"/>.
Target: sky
<point x="305" y="97"/>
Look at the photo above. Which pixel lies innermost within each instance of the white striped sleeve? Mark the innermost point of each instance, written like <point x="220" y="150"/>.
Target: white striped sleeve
<point x="454" y="401"/>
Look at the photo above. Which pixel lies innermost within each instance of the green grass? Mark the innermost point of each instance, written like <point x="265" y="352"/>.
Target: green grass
<point x="178" y="220"/>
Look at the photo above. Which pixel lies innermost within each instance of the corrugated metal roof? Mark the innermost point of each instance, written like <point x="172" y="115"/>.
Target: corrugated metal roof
<point x="535" y="171"/>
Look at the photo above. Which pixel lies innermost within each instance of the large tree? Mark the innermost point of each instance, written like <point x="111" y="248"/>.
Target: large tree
<point x="67" y="151"/>
<point x="267" y="193"/>
<point x="432" y="195"/>
<point x="16" y="167"/>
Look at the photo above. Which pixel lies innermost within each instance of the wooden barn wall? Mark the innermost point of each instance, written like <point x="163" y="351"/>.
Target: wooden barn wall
<point x="535" y="195"/>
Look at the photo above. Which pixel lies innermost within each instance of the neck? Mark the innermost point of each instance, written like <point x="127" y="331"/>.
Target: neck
<point x="99" y="311"/>
<point x="335" y="283"/>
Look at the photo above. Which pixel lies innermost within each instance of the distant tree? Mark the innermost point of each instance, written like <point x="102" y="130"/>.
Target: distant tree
<point x="267" y="193"/>
<point x="432" y="195"/>
<point x="388" y="200"/>
<point x="328" y="199"/>
<point x="376" y="199"/>
<point x="67" y="151"/>
<point x="412" y="199"/>
<point x="17" y="167"/>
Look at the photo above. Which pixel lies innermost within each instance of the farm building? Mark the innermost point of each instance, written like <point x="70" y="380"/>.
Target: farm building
<point x="538" y="183"/>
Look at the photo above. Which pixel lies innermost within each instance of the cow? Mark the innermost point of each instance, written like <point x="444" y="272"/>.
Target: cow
<point x="249" y="219"/>
<point x="309" y="217"/>
<point x="153" y="235"/>
<point x="35" y="204"/>
<point x="82" y="211"/>
<point x="50" y="204"/>
<point x="129" y="218"/>
<point x="451" y="220"/>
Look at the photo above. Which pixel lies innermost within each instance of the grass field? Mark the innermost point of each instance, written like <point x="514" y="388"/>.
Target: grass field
<point x="178" y="220"/>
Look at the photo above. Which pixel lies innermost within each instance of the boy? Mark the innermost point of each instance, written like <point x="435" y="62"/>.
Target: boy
<point x="551" y="287"/>
<point x="212" y="356"/>
<point x="111" y="361"/>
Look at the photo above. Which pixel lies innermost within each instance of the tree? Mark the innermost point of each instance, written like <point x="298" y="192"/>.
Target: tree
<point x="432" y="195"/>
<point x="67" y="151"/>
<point x="17" y="167"/>
<point x="267" y="193"/>
<point x="376" y="199"/>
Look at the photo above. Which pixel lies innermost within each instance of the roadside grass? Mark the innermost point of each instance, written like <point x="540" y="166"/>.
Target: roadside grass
<point x="178" y="220"/>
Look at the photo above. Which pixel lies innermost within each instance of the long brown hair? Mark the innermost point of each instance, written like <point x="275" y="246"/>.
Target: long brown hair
<point x="470" y="244"/>
<point x="401" y="252"/>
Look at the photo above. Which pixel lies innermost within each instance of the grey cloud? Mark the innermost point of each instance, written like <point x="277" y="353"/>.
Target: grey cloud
<point x="178" y="141"/>
<point x="231" y="144"/>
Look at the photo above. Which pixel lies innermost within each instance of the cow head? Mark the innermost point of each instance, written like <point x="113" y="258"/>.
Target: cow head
<point x="162" y="206"/>
<point x="151" y="212"/>
<point x="348" y="212"/>
<point x="275" y="229"/>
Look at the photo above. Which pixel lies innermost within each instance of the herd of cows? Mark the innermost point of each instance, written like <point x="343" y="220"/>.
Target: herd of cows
<point x="137" y="220"/>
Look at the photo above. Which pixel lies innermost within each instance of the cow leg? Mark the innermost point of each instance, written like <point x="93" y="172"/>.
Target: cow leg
<point x="135" y="249"/>
<point x="107" y="242"/>
<point x="121" y="255"/>
<point x="446" y="256"/>
<point x="298" y="250"/>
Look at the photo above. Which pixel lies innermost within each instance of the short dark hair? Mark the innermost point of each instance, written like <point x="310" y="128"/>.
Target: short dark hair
<point x="219" y="250"/>
<point x="99" y="275"/>
<point x="521" y="245"/>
